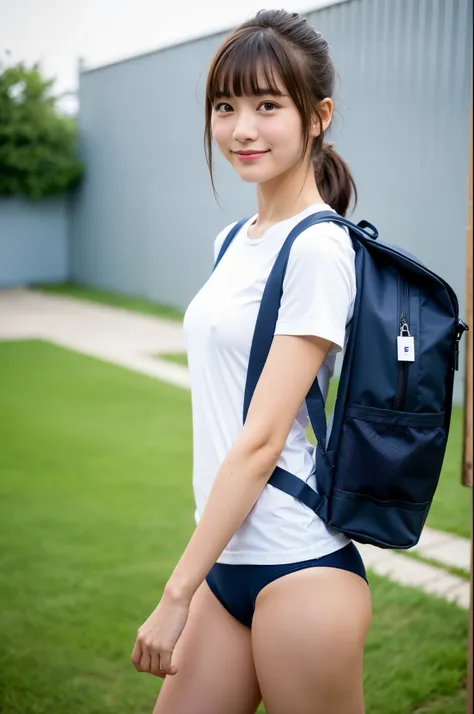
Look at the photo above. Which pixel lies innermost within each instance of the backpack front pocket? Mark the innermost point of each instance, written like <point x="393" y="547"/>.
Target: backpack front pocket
<point x="390" y="455"/>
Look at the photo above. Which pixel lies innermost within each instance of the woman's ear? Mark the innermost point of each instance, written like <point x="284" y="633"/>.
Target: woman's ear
<point x="323" y="117"/>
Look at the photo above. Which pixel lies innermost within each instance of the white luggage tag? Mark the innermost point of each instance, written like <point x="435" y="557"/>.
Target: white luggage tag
<point x="406" y="345"/>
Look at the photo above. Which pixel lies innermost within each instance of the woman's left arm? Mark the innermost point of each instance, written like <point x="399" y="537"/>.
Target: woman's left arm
<point x="290" y="369"/>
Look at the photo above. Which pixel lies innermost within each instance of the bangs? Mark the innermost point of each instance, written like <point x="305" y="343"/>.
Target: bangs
<point x="248" y="66"/>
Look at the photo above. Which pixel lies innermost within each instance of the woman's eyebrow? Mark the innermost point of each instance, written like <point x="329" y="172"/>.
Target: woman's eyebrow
<point x="260" y="92"/>
<point x="263" y="91"/>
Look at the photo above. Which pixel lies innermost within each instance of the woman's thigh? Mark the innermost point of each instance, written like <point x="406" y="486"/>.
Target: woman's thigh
<point x="308" y="635"/>
<point x="215" y="662"/>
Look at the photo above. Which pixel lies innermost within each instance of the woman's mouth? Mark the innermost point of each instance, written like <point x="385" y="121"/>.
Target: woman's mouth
<point x="247" y="156"/>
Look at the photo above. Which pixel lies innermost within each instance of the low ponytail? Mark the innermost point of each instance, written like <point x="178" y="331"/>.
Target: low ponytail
<point x="334" y="179"/>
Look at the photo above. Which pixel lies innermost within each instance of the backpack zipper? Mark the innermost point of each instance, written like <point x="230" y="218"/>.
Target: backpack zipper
<point x="461" y="328"/>
<point x="404" y="307"/>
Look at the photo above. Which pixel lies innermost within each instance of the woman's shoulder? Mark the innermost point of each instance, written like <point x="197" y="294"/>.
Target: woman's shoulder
<point x="324" y="240"/>
<point x="323" y="253"/>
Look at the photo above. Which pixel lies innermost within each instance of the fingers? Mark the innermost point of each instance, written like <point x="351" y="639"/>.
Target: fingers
<point x="137" y="655"/>
<point x="165" y="663"/>
<point x="153" y="659"/>
<point x="155" y="665"/>
<point x="145" y="662"/>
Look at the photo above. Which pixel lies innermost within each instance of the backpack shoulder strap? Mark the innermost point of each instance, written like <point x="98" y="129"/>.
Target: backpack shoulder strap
<point x="266" y="323"/>
<point x="228" y="240"/>
<point x="268" y="315"/>
<point x="262" y="340"/>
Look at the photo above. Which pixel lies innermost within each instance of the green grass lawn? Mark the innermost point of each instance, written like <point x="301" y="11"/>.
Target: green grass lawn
<point x="96" y="508"/>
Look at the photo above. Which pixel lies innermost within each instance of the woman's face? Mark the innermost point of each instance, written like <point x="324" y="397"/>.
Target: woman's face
<point x="261" y="136"/>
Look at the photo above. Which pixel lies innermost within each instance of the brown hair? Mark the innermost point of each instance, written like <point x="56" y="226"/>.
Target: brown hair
<point x="285" y="43"/>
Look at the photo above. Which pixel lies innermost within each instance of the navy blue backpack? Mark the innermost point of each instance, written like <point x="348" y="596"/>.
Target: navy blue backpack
<point x="378" y="469"/>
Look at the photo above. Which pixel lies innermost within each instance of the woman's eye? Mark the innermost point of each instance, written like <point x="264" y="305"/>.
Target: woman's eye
<point x="269" y="106"/>
<point x="219" y="106"/>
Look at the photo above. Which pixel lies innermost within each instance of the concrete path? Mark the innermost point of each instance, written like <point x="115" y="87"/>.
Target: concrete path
<point x="120" y="336"/>
<point x="132" y="340"/>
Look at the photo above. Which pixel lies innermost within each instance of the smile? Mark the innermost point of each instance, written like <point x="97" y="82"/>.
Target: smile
<point x="250" y="156"/>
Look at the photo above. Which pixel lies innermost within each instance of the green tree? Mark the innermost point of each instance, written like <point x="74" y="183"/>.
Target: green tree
<point x="38" y="146"/>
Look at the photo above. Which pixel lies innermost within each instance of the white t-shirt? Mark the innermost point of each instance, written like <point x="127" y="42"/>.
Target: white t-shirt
<point x="318" y="298"/>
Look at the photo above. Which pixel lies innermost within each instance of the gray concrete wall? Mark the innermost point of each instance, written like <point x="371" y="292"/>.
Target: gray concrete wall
<point x="34" y="241"/>
<point x="145" y="217"/>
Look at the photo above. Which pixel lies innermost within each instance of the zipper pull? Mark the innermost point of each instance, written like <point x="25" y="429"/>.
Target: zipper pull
<point x="460" y="330"/>
<point x="405" y="342"/>
<point x="404" y="329"/>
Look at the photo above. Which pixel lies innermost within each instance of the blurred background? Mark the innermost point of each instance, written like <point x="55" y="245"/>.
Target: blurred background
<point x="107" y="221"/>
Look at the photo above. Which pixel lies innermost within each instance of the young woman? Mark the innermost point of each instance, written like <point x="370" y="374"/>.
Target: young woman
<point x="266" y="601"/>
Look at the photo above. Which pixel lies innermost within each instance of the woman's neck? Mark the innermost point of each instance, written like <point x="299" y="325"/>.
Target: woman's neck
<point x="282" y="198"/>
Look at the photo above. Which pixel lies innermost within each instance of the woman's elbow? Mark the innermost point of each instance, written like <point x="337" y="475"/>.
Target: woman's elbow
<point x="263" y="448"/>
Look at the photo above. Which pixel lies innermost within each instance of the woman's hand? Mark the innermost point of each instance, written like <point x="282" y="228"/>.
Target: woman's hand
<point x="157" y="637"/>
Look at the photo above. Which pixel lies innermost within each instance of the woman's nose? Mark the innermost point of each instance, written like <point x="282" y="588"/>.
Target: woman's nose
<point x="245" y="128"/>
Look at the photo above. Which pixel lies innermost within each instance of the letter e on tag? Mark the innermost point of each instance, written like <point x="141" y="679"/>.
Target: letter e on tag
<point x="406" y="349"/>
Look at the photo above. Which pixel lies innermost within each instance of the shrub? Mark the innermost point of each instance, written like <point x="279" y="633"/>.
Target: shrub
<point x="38" y="146"/>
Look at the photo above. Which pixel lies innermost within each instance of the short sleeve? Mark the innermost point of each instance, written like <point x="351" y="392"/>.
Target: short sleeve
<point x="319" y="286"/>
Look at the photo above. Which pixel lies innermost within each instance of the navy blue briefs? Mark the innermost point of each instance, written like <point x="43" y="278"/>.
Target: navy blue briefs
<point x="237" y="586"/>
